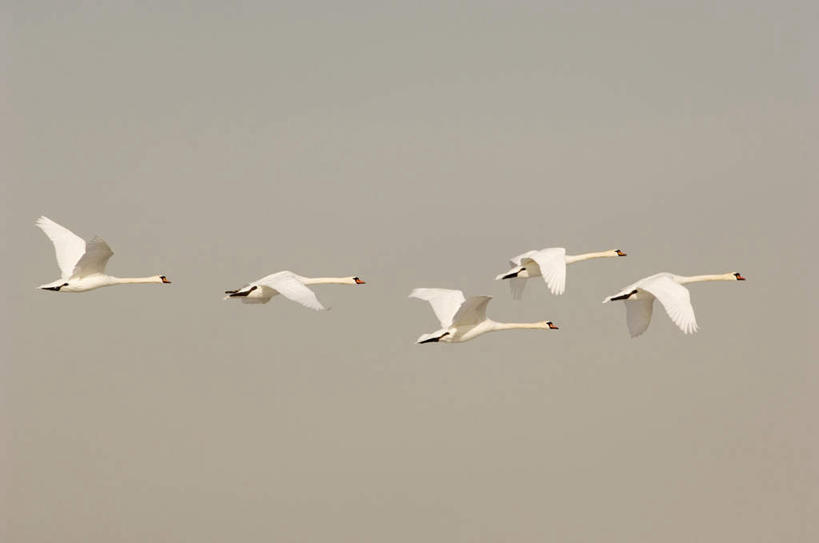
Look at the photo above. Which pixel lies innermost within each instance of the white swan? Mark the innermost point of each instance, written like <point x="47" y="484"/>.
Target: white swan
<point x="549" y="264"/>
<point x="668" y="288"/>
<point x="462" y="318"/>
<point x="82" y="264"/>
<point x="289" y="285"/>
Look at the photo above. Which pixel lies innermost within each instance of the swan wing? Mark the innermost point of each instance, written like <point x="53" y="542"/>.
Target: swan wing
<point x="638" y="314"/>
<point x="96" y="256"/>
<point x="675" y="299"/>
<point x="69" y="246"/>
<point x="289" y="286"/>
<point x="472" y="311"/>
<point x="516" y="286"/>
<point x="552" y="264"/>
<point x="445" y="302"/>
<point x="517" y="260"/>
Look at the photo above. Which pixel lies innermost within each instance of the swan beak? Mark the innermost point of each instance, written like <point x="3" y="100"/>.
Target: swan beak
<point x="552" y="326"/>
<point x="165" y="280"/>
<point x="739" y="277"/>
<point x="359" y="281"/>
<point x="620" y="253"/>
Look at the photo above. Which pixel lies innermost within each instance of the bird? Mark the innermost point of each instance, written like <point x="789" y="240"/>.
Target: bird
<point x="668" y="288"/>
<point x="549" y="264"/>
<point x="290" y="285"/>
<point x="463" y="318"/>
<point x="82" y="263"/>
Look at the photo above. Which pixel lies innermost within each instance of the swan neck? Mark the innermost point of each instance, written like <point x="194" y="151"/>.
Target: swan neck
<point x="133" y="280"/>
<point x="589" y="256"/>
<point x="328" y="281"/>
<point x="699" y="278"/>
<point x="517" y="325"/>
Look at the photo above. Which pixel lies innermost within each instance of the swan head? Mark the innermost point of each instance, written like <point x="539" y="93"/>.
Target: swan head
<point x="357" y="280"/>
<point x="550" y="325"/>
<point x="738" y="276"/>
<point x="618" y="252"/>
<point x="163" y="279"/>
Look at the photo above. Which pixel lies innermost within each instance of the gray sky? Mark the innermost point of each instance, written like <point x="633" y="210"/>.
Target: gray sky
<point x="414" y="145"/>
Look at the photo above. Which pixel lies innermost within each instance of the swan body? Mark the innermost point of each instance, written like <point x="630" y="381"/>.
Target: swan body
<point x="82" y="263"/>
<point x="668" y="288"/>
<point x="463" y="318"/>
<point x="290" y="285"/>
<point x="549" y="264"/>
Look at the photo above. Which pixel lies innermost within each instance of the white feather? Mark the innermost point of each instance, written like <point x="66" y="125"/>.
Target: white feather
<point x="675" y="298"/>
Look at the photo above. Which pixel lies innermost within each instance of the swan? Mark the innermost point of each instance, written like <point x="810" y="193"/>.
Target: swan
<point x="291" y="286"/>
<point x="462" y="318"/>
<point x="549" y="264"/>
<point x="668" y="288"/>
<point x="82" y="263"/>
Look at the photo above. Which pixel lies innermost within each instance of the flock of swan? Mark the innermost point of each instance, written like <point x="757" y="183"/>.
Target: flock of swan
<point x="82" y="268"/>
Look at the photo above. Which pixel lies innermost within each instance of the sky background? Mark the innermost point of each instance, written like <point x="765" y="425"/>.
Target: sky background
<point x="413" y="144"/>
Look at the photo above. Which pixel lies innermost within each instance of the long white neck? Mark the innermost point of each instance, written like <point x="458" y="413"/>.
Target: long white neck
<point x="589" y="256"/>
<point x="329" y="281"/>
<point x="681" y="279"/>
<point x="519" y="325"/>
<point x="134" y="280"/>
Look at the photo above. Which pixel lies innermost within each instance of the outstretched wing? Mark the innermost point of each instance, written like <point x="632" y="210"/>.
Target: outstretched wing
<point x="638" y="314"/>
<point x="517" y="260"/>
<point x="289" y="286"/>
<point x="552" y="264"/>
<point x="96" y="256"/>
<point x="675" y="299"/>
<point x="69" y="246"/>
<point x="445" y="302"/>
<point x="472" y="311"/>
<point x="516" y="286"/>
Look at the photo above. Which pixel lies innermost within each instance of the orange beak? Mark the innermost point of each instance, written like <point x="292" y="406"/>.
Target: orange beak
<point x="621" y="253"/>
<point x="359" y="281"/>
<point x="165" y="280"/>
<point x="740" y="278"/>
<point x="552" y="326"/>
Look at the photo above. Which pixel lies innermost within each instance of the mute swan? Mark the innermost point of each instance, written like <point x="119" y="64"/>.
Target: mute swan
<point x="668" y="288"/>
<point x="549" y="264"/>
<point x="462" y="318"/>
<point x="289" y="285"/>
<point x="82" y="264"/>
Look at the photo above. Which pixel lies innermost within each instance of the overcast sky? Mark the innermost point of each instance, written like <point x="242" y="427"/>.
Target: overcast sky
<point x="413" y="144"/>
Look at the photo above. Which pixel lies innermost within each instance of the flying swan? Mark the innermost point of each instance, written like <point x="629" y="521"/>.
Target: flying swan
<point x="549" y="264"/>
<point x="462" y="318"/>
<point x="82" y="263"/>
<point x="669" y="289"/>
<point x="291" y="286"/>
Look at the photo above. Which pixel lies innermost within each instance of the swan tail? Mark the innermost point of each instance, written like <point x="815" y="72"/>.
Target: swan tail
<point x="54" y="285"/>
<point x="240" y="293"/>
<point x="433" y="337"/>
<point x="622" y="295"/>
<point x="510" y="274"/>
